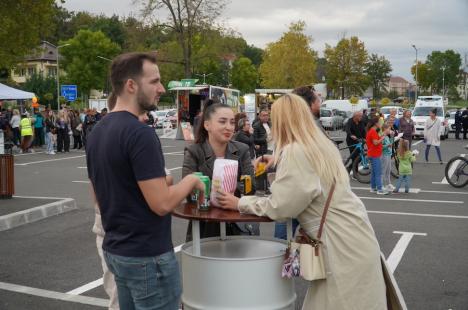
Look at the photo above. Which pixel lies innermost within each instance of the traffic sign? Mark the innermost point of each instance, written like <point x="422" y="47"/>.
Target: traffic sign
<point x="70" y="92"/>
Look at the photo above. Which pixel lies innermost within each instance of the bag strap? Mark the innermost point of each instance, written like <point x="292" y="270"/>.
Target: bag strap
<point x="325" y="211"/>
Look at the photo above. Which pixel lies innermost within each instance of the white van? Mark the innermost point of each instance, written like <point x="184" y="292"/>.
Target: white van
<point x="423" y="106"/>
<point x="345" y="105"/>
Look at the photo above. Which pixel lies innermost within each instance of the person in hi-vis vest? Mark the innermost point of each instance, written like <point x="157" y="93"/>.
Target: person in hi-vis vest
<point x="26" y="133"/>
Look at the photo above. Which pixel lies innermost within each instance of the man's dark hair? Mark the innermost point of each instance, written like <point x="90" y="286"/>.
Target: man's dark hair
<point x="307" y="93"/>
<point x="128" y="66"/>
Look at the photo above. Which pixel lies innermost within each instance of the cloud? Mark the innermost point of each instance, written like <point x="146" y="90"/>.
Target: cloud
<point x="386" y="27"/>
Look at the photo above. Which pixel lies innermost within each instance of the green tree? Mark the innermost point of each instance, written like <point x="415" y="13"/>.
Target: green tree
<point x="185" y="19"/>
<point x="244" y="75"/>
<point x="81" y="61"/>
<point x="449" y="60"/>
<point x="45" y="88"/>
<point x="290" y="61"/>
<point x="112" y="27"/>
<point x="346" y="63"/>
<point x="424" y="76"/>
<point x="378" y="69"/>
<point x="23" y="24"/>
<point x="255" y="54"/>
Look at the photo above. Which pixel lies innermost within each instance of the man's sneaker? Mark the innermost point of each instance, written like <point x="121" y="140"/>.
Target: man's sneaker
<point x="407" y="191"/>
<point x="51" y="153"/>
<point x="390" y="187"/>
<point x="382" y="192"/>
<point x="373" y="190"/>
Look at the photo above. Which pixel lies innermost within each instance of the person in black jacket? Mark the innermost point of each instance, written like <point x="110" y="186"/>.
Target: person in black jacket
<point x="245" y="135"/>
<point x="261" y="135"/>
<point x="465" y="122"/>
<point x="458" y="123"/>
<point x="355" y="131"/>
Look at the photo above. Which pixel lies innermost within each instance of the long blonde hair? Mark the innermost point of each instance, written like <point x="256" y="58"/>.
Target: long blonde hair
<point x="292" y="122"/>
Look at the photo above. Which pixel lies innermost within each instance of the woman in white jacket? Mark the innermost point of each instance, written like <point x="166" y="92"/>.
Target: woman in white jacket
<point x="432" y="134"/>
<point x="308" y="163"/>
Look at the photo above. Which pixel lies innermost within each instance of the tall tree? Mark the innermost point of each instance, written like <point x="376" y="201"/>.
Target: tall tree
<point x="255" y="54"/>
<point x="346" y="63"/>
<point x="444" y="68"/>
<point x="290" y="61"/>
<point x="244" y="75"/>
<point x="424" y="76"/>
<point x="378" y="69"/>
<point x="185" y="18"/>
<point x="81" y="61"/>
<point x="45" y="88"/>
<point x="23" y="24"/>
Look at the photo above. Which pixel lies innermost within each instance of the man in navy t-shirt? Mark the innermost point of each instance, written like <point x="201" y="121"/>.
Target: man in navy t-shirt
<point x="126" y="168"/>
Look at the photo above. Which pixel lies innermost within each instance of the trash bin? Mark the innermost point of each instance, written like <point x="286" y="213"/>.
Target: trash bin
<point x="7" y="181"/>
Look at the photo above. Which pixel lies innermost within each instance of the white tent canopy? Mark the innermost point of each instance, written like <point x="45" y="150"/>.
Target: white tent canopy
<point x="7" y="92"/>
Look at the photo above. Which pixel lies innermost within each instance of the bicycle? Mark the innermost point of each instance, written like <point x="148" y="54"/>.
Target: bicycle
<point x="360" y="165"/>
<point x="456" y="171"/>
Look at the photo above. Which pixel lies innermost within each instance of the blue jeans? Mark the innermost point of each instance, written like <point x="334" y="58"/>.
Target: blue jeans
<point x="376" y="173"/>
<point x="146" y="283"/>
<point x="406" y="179"/>
<point x="428" y="147"/>
<point x="50" y="142"/>
<point x="281" y="229"/>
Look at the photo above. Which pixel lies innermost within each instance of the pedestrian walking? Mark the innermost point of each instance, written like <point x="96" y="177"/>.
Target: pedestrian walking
<point x="405" y="169"/>
<point x="432" y="134"/>
<point x="129" y="183"/>
<point x="374" y="152"/>
<point x="407" y="127"/>
<point x="262" y="132"/>
<point x="308" y="167"/>
<point x="51" y="132"/>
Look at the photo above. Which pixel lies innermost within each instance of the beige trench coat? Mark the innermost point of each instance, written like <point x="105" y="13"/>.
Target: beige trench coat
<point x="352" y="254"/>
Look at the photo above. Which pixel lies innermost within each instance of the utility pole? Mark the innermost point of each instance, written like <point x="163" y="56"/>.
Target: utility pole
<point x="58" y="76"/>
<point x="416" y="89"/>
<point x="443" y="81"/>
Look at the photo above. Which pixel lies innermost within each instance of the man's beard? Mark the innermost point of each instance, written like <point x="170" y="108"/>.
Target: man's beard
<point x="145" y="103"/>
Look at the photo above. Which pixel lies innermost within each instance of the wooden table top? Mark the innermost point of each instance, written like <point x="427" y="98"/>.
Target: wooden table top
<point x="189" y="211"/>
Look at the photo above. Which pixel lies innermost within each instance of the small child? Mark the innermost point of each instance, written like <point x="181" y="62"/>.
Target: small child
<point x="405" y="157"/>
<point x="387" y="157"/>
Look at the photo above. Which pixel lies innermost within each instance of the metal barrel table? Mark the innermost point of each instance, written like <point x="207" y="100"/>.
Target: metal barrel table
<point x="232" y="272"/>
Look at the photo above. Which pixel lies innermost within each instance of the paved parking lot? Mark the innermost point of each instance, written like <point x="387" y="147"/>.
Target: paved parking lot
<point x="53" y="264"/>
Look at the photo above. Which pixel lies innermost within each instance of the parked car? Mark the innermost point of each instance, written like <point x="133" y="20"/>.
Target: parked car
<point x="166" y="116"/>
<point x="450" y="116"/>
<point x="330" y="120"/>
<point x="386" y="111"/>
<point x="423" y="106"/>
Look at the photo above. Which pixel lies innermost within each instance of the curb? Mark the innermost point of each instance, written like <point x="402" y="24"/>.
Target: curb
<point x="35" y="214"/>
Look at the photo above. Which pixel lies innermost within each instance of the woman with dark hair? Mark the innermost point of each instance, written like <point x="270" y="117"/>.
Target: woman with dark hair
<point x="237" y="118"/>
<point x="407" y="127"/>
<point x="214" y="140"/>
<point x="374" y="152"/>
<point x="432" y="134"/>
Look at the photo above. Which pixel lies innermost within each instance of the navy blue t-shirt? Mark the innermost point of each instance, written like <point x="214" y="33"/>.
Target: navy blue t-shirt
<point x="121" y="151"/>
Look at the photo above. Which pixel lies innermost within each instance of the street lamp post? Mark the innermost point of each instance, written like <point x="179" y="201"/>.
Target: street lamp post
<point x="204" y="76"/>
<point x="58" y="76"/>
<point x="443" y="82"/>
<point x="416" y="79"/>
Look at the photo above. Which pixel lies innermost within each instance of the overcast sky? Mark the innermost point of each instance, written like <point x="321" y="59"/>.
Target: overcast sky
<point x="387" y="27"/>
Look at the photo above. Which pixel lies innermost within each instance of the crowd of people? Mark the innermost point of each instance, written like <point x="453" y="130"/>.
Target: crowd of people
<point x="57" y="131"/>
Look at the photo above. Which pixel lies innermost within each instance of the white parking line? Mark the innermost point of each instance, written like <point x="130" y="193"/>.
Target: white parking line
<point x="175" y="153"/>
<point x="82" y="167"/>
<point x="86" y="287"/>
<point x="412" y="190"/>
<point x="420" y="214"/>
<point x="92" y="285"/>
<point x="48" y="160"/>
<point x="413" y="200"/>
<point x="24" y="154"/>
<point x="93" y="301"/>
<point x="418" y="190"/>
<point x="85" y="182"/>
<point x="416" y="143"/>
<point x="176" y="168"/>
<point x="397" y="253"/>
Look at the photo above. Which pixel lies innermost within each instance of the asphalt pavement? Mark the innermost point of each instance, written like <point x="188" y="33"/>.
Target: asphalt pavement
<point x="53" y="263"/>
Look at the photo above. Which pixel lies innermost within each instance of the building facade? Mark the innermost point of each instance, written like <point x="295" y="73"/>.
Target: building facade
<point x="43" y="62"/>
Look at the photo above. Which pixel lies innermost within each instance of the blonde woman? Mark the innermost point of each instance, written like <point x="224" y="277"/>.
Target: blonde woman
<point x="15" y="124"/>
<point x="307" y="165"/>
